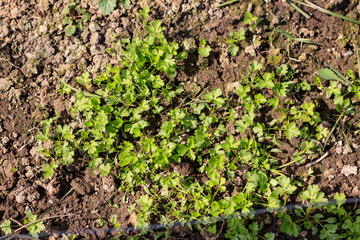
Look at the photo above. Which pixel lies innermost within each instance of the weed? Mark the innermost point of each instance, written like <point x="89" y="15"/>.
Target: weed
<point x="134" y="130"/>
<point x="108" y="6"/>
<point x="204" y="49"/>
<point x="314" y="6"/>
<point x="74" y="17"/>
<point x="31" y="222"/>
<point x="237" y="37"/>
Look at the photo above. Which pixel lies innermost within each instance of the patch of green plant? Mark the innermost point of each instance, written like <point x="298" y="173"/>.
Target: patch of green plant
<point x="118" y="139"/>
<point x="343" y="91"/>
<point x="337" y="223"/>
<point x="31" y="223"/>
<point x="138" y="125"/>
<point x="237" y="37"/>
<point x="74" y="17"/>
<point x="108" y="6"/>
<point x="204" y="48"/>
<point x="124" y="95"/>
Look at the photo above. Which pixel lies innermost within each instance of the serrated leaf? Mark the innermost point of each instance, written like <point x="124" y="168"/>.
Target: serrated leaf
<point x="70" y="30"/>
<point x="249" y="18"/>
<point x="204" y="51"/>
<point x="282" y="70"/>
<point x="104" y="169"/>
<point x="126" y="158"/>
<point x="65" y="10"/>
<point x="291" y="130"/>
<point x="106" y="6"/>
<point x="233" y="50"/>
<point x="155" y="27"/>
<point x="202" y="42"/>
<point x="255" y="66"/>
<point x="258" y="129"/>
<point x="125" y="3"/>
<point x="289" y="227"/>
<point x="182" y="149"/>
<point x="48" y="171"/>
<point x="86" y="16"/>
<point x="6" y="226"/>
<point x="270" y="236"/>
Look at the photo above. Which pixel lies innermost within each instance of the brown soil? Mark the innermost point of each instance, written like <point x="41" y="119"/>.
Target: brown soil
<point x="35" y="53"/>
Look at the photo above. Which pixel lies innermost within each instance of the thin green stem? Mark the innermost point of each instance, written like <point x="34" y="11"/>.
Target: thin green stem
<point x="314" y="6"/>
<point x="333" y="128"/>
<point x="298" y="9"/>
<point x="227" y="3"/>
<point x="289" y="163"/>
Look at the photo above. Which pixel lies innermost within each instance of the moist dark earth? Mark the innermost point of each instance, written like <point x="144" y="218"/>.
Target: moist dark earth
<point x="35" y="53"/>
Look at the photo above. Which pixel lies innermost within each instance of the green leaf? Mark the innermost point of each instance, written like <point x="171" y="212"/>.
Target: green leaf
<point x="167" y="129"/>
<point x="70" y="30"/>
<point x="6" y="226"/>
<point x="198" y="107"/>
<point x="101" y="222"/>
<point x="313" y="194"/>
<point x="333" y="89"/>
<point x="49" y="170"/>
<point x="84" y="78"/>
<point x="255" y="66"/>
<point x="214" y="95"/>
<point x="327" y="74"/>
<point x="125" y="3"/>
<point x="245" y="156"/>
<point x="68" y="21"/>
<point x="41" y="137"/>
<point x="273" y="102"/>
<point x="65" y="89"/>
<point x="126" y="158"/>
<point x="285" y="184"/>
<point x="258" y="129"/>
<point x="104" y="169"/>
<point x="146" y="202"/>
<point x="212" y="229"/>
<point x="249" y="118"/>
<point x="331" y="220"/>
<point x="305" y="86"/>
<point x="289" y="227"/>
<point x="238" y="36"/>
<point x="36" y="227"/>
<point x="86" y="16"/>
<point x="340" y="198"/>
<point x="347" y="224"/>
<point x="242" y="90"/>
<point x="113" y="219"/>
<point x="106" y="6"/>
<point x="291" y="130"/>
<point x="65" y="10"/>
<point x="282" y="70"/>
<point x="270" y="236"/>
<point x="155" y="28"/>
<point x="202" y="42"/>
<point x="182" y="149"/>
<point x="204" y="51"/>
<point x="233" y="50"/>
<point x="144" y="13"/>
<point x="230" y="143"/>
<point x="249" y="18"/>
